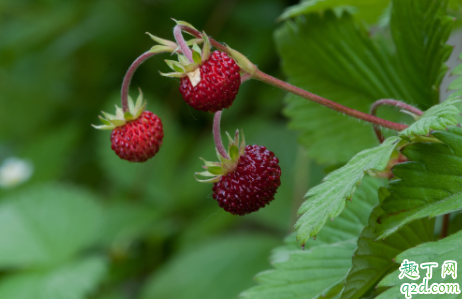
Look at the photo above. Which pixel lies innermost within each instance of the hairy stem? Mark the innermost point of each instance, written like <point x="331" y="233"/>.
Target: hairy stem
<point x="445" y="226"/>
<point x="129" y="75"/>
<point x="259" y="75"/>
<point x="395" y="103"/>
<point x="182" y="43"/>
<point x="217" y="135"/>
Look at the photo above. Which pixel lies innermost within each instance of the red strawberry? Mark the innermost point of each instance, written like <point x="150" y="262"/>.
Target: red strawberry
<point x="247" y="181"/>
<point x="138" y="140"/>
<point x="218" y="87"/>
<point x="210" y="82"/>
<point x="136" y="134"/>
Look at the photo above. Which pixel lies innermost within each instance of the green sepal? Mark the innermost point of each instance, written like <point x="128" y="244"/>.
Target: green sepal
<point x="175" y="65"/>
<point x="183" y="60"/>
<point x="160" y="49"/>
<point x="173" y="75"/>
<point x="233" y="152"/>
<point x="184" y="24"/>
<point x="225" y="165"/>
<point x="162" y="41"/>
<point x="242" y="61"/>
<point x="194" y="41"/>
<point x="196" y="54"/>
<point x="206" y="48"/>
<point x="121" y="118"/>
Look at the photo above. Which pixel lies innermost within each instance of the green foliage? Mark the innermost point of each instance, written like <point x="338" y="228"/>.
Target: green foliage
<point x="343" y="63"/>
<point x="225" y="265"/>
<point x="428" y="185"/>
<point x="373" y="259"/>
<point x="439" y="251"/>
<point x="438" y="117"/>
<point x="368" y="10"/>
<point x="321" y="268"/>
<point x="328" y="199"/>
<point x="42" y="230"/>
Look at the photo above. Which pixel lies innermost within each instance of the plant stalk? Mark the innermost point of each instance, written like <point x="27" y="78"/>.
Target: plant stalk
<point x="445" y="226"/>
<point x="259" y="75"/>
<point x="217" y="135"/>
<point x="394" y="103"/>
<point x="182" y="43"/>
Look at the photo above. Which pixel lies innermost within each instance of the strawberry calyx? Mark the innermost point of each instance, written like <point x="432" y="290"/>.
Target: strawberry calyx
<point x="183" y="67"/>
<point x="215" y="170"/>
<point x="111" y="121"/>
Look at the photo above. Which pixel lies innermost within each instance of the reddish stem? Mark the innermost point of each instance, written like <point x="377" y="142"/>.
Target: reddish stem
<point x="182" y="43"/>
<point x="128" y="77"/>
<point x="259" y="75"/>
<point x="394" y="103"/>
<point x="217" y="135"/>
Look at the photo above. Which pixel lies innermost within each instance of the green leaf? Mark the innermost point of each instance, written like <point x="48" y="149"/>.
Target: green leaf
<point x="328" y="199"/>
<point x="430" y="184"/>
<point x="368" y="10"/>
<point x="217" y="268"/>
<point x="341" y="62"/>
<point x="373" y="259"/>
<point x="321" y="268"/>
<point x="74" y="280"/>
<point x="46" y="224"/>
<point x="438" y="117"/>
<point x="439" y="252"/>
<point x="421" y="58"/>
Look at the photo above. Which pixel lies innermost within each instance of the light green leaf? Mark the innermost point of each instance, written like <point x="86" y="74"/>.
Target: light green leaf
<point x="438" y="117"/>
<point x="217" y="268"/>
<point x="368" y="10"/>
<point x="429" y="184"/>
<point x="373" y="259"/>
<point x="328" y="200"/>
<point x="46" y="224"/>
<point x="74" y="280"/>
<point x="439" y="252"/>
<point x="302" y="273"/>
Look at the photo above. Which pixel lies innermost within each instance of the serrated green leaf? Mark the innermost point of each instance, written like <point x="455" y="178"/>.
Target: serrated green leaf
<point x="439" y="252"/>
<point x="328" y="200"/>
<point x="456" y="84"/>
<point x="373" y="259"/>
<point x="368" y="10"/>
<point x="46" y="224"/>
<point x="73" y="280"/>
<point x="457" y="71"/>
<point x="429" y="184"/>
<point x="438" y="117"/>
<point x="321" y="268"/>
<point x="343" y="63"/>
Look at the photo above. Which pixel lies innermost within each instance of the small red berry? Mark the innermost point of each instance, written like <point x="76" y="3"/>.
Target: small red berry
<point x="253" y="183"/>
<point x="138" y="140"/>
<point x="218" y="86"/>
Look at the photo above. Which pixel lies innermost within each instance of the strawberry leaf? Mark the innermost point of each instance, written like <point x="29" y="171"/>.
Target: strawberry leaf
<point x="429" y="184"/>
<point x="328" y="200"/>
<point x="439" y="252"/>
<point x="321" y="268"/>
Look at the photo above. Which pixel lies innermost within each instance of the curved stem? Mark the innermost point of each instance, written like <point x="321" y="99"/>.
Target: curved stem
<point x="394" y="103"/>
<point x="128" y="77"/>
<point x="182" y="43"/>
<point x="217" y="135"/>
<point x="259" y="75"/>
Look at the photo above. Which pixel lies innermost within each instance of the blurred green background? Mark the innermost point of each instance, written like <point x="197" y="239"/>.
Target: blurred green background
<point x="89" y="225"/>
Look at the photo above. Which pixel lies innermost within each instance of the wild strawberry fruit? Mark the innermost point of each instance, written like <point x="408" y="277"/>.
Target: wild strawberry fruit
<point x="247" y="181"/>
<point x="136" y="134"/>
<point x="211" y="83"/>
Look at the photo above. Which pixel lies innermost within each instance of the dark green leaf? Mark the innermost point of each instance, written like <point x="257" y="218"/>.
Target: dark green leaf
<point x="429" y="184"/>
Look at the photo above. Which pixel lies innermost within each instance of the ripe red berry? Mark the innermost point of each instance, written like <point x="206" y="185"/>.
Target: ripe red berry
<point x="253" y="183"/>
<point x="218" y="86"/>
<point x="138" y="140"/>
